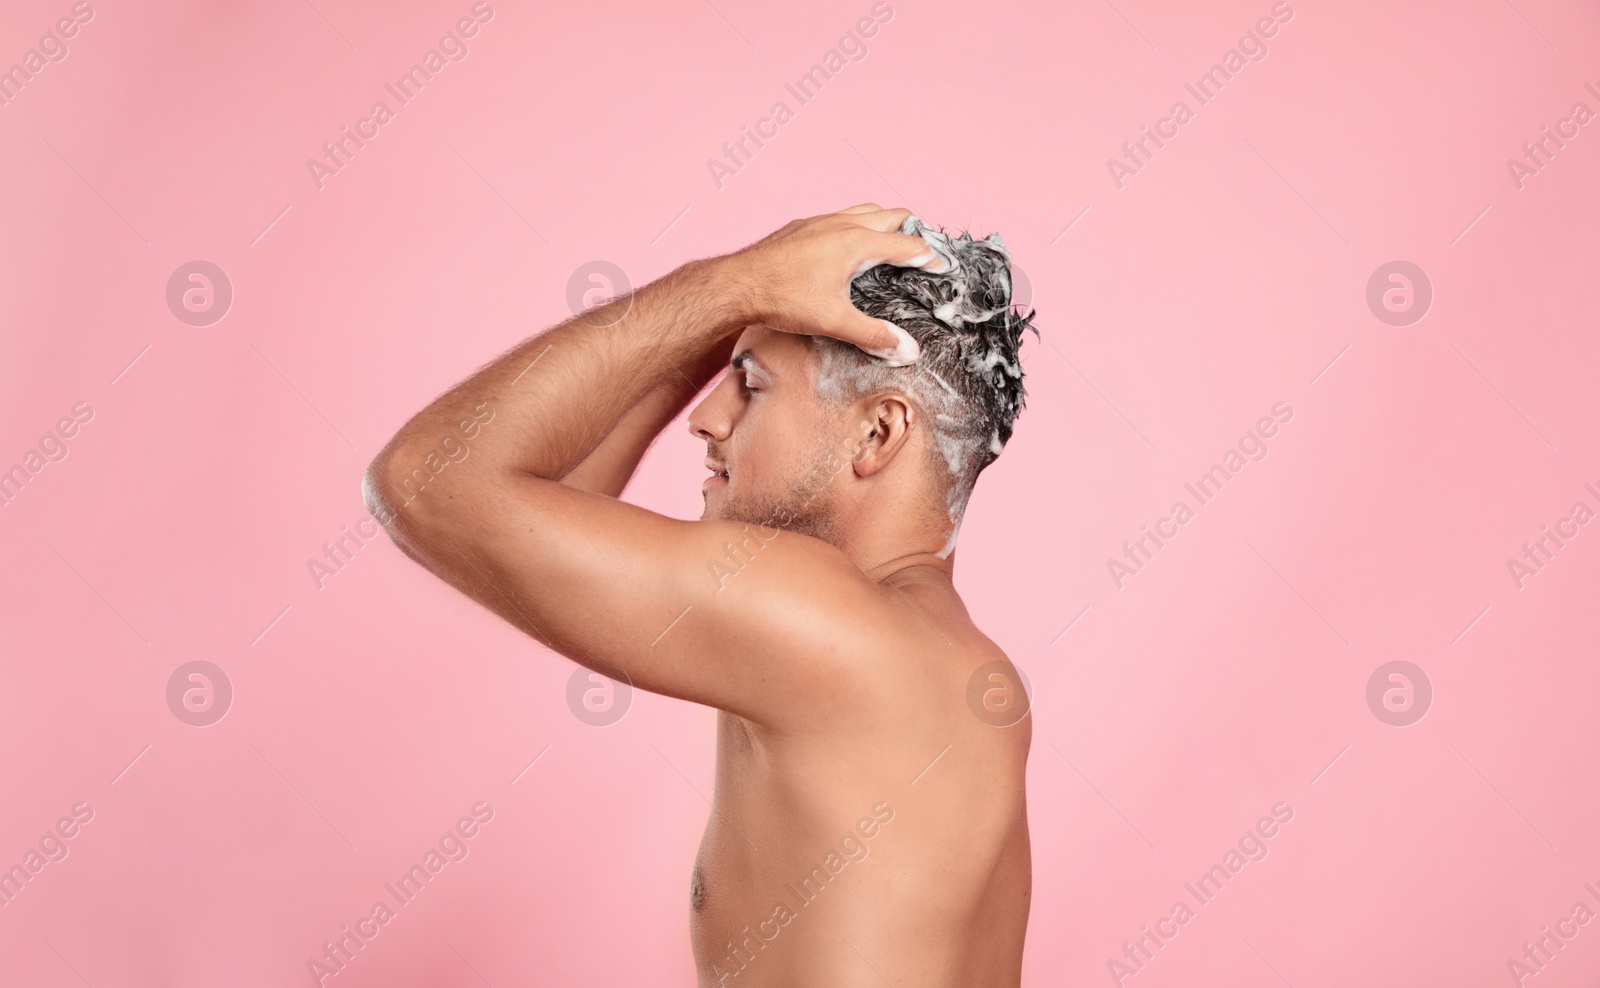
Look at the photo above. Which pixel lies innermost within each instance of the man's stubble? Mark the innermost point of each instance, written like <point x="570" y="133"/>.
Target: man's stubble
<point x="807" y="503"/>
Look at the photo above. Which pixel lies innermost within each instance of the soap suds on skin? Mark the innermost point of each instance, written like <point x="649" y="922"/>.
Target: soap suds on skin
<point x="950" y="546"/>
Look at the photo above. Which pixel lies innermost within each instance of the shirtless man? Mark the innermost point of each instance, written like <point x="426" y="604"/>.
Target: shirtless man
<point x="869" y="825"/>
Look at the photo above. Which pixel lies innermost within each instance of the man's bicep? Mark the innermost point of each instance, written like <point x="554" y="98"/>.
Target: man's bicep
<point x="734" y="616"/>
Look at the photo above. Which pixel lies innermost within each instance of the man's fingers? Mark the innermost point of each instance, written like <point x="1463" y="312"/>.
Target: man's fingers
<point x="883" y="339"/>
<point x="902" y="349"/>
<point x="883" y="220"/>
<point x="867" y="235"/>
<point x="903" y="250"/>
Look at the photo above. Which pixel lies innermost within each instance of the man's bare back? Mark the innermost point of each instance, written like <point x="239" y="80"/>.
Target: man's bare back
<point x="814" y="868"/>
<point x="869" y="820"/>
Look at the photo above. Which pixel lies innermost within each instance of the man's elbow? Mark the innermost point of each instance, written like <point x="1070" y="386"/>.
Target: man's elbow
<point x="392" y="494"/>
<point x="427" y="499"/>
<point x="373" y="494"/>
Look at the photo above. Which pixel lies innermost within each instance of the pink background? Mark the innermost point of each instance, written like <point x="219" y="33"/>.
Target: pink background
<point x="1229" y="275"/>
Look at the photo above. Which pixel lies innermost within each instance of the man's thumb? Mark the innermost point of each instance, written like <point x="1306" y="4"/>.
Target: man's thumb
<point x="895" y="347"/>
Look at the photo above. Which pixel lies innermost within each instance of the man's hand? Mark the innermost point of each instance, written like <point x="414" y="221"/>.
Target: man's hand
<point x="799" y="277"/>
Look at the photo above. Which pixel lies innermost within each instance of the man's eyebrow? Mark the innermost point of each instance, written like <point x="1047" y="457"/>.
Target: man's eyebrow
<point x="743" y="357"/>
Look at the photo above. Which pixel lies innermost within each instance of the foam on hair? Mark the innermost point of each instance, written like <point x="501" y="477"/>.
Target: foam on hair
<point x="968" y="380"/>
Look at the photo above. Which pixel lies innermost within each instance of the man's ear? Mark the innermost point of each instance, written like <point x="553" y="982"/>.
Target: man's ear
<point x="882" y="431"/>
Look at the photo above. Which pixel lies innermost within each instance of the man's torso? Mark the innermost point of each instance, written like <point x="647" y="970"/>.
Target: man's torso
<point x="856" y="848"/>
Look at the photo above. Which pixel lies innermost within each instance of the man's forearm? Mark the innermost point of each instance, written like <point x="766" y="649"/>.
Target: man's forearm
<point x="557" y="396"/>
<point x="610" y="466"/>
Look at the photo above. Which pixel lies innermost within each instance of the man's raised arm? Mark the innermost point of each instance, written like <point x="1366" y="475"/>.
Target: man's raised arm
<point x="556" y="396"/>
<point x="599" y="580"/>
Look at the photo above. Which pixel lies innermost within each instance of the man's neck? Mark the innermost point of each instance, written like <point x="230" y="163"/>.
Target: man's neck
<point x="881" y="555"/>
<point x="891" y="526"/>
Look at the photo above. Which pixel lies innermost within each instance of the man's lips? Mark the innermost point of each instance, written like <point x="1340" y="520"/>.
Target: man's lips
<point x="719" y="473"/>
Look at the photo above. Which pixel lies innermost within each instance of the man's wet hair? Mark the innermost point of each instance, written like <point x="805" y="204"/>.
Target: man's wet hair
<point x="968" y="380"/>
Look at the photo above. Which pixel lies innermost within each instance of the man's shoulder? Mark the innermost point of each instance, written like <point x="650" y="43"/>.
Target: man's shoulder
<point x="794" y="570"/>
<point x="793" y="603"/>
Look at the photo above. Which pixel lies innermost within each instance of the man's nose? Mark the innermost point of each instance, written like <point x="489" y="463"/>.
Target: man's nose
<point x="711" y="419"/>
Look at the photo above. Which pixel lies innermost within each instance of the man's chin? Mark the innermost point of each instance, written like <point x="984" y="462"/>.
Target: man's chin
<point x="711" y="509"/>
<point x="719" y="507"/>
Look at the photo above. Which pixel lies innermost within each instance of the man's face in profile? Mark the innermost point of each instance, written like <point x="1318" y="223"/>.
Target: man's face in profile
<point x="780" y="444"/>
